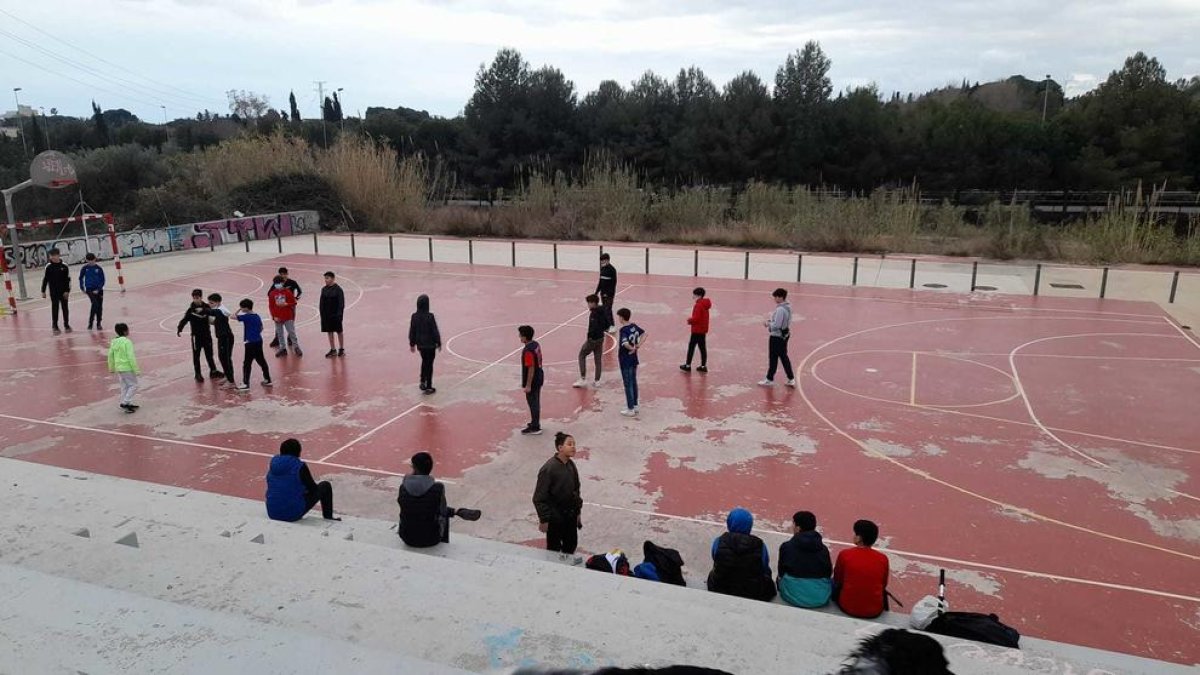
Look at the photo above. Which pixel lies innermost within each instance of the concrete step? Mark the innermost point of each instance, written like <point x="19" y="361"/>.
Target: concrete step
<point x="471" y="604"/>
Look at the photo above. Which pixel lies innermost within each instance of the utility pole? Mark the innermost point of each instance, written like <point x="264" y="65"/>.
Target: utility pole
<point x="321" y="103"/>
<point x="1046" y="98"/>
<point x="20" y="123"/>
<point x="342" y="118"/>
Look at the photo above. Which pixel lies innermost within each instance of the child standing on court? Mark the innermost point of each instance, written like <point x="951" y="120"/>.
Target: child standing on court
<point x="532" y="379"/>
<point x="699" y="323"/>
<point x="91" y="282"/>
<point x="122" y="361"/>
<point x="219" y="316"/>
<point x="779" y="331"/>
<point x="252" y="323"/>
<point x="58" y="281"/>
<point x="196" y="317"/>
<point x="424" y="337"/>
<point x="290" y="284"/>
<point x="332" y="305"/>
<point x="606" y="288"/>
<point x="631" y="339"/>
<point x="594" y="342"/>
<point x="282" y="302"/>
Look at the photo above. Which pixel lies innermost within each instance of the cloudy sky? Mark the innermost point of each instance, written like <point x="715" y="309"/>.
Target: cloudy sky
<point x="184" y="54"/>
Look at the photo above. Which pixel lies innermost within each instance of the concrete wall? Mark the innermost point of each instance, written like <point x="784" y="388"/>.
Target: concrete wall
<point x="137" y="243"/>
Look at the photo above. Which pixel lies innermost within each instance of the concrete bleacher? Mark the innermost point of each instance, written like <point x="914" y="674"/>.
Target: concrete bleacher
<point x="102" y="574"/>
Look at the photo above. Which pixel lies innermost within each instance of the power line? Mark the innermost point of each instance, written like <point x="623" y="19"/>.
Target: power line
<point x="57" y="40"/>
<point x="73" y="79"/>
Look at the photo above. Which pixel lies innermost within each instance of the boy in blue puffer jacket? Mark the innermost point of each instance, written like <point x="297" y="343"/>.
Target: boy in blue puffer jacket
<point x="291" y="490"/>
<point x="91" y="282"/>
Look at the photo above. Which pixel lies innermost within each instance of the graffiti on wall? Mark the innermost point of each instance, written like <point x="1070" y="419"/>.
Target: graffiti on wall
<point x="139" y="243"/>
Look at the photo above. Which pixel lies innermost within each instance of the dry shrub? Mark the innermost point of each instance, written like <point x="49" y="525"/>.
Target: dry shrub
<point x="380" y="191"/>
<point x="247" y="159"/>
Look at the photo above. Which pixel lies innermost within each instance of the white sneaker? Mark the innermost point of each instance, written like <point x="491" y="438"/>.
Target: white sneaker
<point x="766" y="383"/>
<point x="595" y="384"/>
<point x="628" y="413"/>
<point x="243" y="387"/>
<point x="580" y="383"/>
<point x="791" y="383"/>
<point x="612" y="330"/>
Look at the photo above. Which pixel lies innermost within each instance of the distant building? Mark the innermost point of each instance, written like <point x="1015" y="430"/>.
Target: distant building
<point x="21" y="111"/>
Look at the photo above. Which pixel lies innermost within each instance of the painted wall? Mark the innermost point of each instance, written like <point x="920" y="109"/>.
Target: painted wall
<point x="139" y="243"/>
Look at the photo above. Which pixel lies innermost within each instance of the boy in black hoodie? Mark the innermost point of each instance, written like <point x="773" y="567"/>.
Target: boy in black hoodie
<point x="58" y="280"/>
<point x="423" y="336"/>
<point x="219" y="318"/>
<point x="606" y="288"/>
<point x="196" y="317"/>
<point x="424" y="516"/>
<point x="593" y="344"/>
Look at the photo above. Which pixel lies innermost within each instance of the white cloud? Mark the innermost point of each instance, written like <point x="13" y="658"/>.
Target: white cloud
<point x="424" y="54"/>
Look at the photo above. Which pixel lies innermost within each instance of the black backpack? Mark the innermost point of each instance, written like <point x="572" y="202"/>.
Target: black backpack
<point x="667" y="563"/>
<point x="971" y="625"/>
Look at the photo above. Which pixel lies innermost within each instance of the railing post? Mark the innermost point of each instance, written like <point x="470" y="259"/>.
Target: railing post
<point x="1103" y="283"/>
<point x="470" y="251"/>
<point x="555" y="247"/>
<point x="391" y="247"/>
<point x="430" y="249"/>
<point x="1174" y="286"/>
<point x="514" y="253"/>
<point x="974" y="274"/>
<point x="1037" y="278"/>
<point x="854" y="275"/>
<point x="746" y="274"/>
<point x="246" y="240"/>
<point x="353" y="250"/>
<point x="316" y="250"/>
<point x="212" y="245"/>
<point x="647" y="260"/>
<point x="279" y="241"/>
<point x="696" y="262"/>
<point x="912" y="274"/>
<point x="799" y="266"/>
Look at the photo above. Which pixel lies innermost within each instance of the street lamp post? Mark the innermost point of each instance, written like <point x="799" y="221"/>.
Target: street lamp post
<point x="1046" y="98"/>
<point x="20" y="122"/>
<point x="341" y="117"/>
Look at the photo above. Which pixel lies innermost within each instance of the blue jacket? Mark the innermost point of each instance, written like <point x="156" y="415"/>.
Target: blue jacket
<point x="91" y="278"/>
<point x="285" y="491"/>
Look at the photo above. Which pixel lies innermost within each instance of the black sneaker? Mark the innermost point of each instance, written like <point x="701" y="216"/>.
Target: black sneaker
<point x="69" y="329"/>
<point x="331" y="353"/>
<point x="532" y="431"/>
<point x="99" y="327"/>
<point x="132" y="405"/>
<point x="216" y="374"/>
<point x="430" y="390"/>
<point x="341" y="352"/>
<point x="281" y="353"/>
<point x="89" y="326"/>
<point x="199" y="378"/>
<point x="685" y="368"/>
<point x="268" y="383"/>
<point x="702" y="369"/>
<point x="274" y="343"/>
<point x="57" y="331"/>
<point x="468" y="514"/>
<point x="129" y="409"/>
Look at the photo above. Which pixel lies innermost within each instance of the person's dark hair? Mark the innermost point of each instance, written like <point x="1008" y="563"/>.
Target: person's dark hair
<point x="90" y="257"/>
<point x="901" y="652"/>
<point x="593" y="298"/>
<point x="525" y="332"/>
<point x="282" y="270"/>
<point x="277" y="280"/>
<point x="604" y="256"/>
<point x="330" y="274"/>
<point x="246" y="303"/>
<point x="698" y="291"/>
<point x="422" y="463"/>
<point x="780" y="293"/>
<point x="560" y="439"/>
<point x="867" y="530"/>
<point x="54" y="251"/>
<point x="805" y="520"/>
<point x="624" y="313"/>
<point x="422" y="303"/>
<point x="215" y="297"/>
<point x="122" y="329"/>
<point x="290" y="447"/>
<point x="197" y="293"/>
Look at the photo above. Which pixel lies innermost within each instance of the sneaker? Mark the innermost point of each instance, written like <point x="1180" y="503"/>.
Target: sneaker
<point x="132" y="406"/>
<point x="595" y="384"/>
<point x="89" y="326"/>
<point x="243" y="387"/>
<point x="702" y="369"/>
<point x="274" y="343"/>
<point x="580" y="383"/>
<point x="268" y="383"/>
<point x="281" y="352"/>
<point x="130" y="410"/>
<point x="629" y="412"/>
<point x="298" y="352"/>
<point x="570" y="559"/>
<point x="331" y="353"/>
<point x="791" y="383"/>
<point x="531" y="431"/>
<point x="430" y="390"/>
<point x="341" y="352"/>
<point x="199" y="378"/>
<point x="215" y="374"/>
<point x="57" y="331"/>
<point x="612" y="330"/>
<point x="69" y="329"/>
<point x="685" y="368"/>
<point x="766" y="383"/>
<point x="99" y="327"/>
<point x="468" y="514"/>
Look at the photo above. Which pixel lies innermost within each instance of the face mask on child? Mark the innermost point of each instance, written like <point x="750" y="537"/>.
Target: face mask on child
<point x="279" y="287"/>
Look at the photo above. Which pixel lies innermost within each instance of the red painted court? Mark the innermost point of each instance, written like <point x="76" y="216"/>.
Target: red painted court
<point x="1043" y="450"/>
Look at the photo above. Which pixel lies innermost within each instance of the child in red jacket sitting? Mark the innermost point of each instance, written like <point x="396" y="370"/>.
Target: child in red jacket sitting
<point x="282" y="301"/>
<point x="699" y="323"/>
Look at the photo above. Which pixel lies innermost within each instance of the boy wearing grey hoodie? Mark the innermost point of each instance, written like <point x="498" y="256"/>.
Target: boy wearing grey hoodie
<point x="779" y="332"/>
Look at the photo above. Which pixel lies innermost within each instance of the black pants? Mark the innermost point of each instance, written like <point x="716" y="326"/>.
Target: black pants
<point x="254" y="354"/>
<point x="225" y="355"/>
<point x="595" y="348"/>
<point x="534" y="399"/>
<point x="96" y="315"/>
<point x="202" y="344"/>
<point x="606" y="301"/>
<point x="777" y="351"/>
<point x="562" y="536"/>
<point x="428" y="354"/>
<point x="58" y="301"/>
<point x="701" y="341"/>
<point x="324" y="494"/>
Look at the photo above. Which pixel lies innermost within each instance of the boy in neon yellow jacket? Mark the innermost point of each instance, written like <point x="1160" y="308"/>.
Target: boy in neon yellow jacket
<point x="122" y="362"/>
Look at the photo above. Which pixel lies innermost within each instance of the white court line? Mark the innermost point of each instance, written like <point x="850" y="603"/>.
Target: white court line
<point x="926" y="556"/>
<point x="1182" y="332"/>
<point x="202" y="446"/>
<point x="470" y="377"/>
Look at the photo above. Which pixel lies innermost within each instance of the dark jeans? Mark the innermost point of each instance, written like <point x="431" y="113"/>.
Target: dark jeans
<point x="57" y="301"/>
<point x="254" y="354"/>
<point x="562" y="536"/>
<point x="225" y="355"/>
<point x="428" y="354"/>
<point x="629" y="379"/>
<point x="701" y="341"/>
<point x="96" y="314"/>
<point x="595" y="347"/>
<point x="777" y="352"/>
<point x="534" y="399"/>
<point x="202" y="344"/>
<point x="606" y="301"/>
<point x="324" y="494"/>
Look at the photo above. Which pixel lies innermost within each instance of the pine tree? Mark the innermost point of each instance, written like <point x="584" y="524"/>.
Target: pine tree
<point x="337" y="108"/>
<point x="39" y="138"/>
<point x="102" y="136"/>
<point x="295" y="108"/>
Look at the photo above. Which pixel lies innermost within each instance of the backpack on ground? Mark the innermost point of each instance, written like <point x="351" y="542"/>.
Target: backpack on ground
<point x="971" y="625"/>
<point x="613" y="562"/>
<point x="666" y="563"/>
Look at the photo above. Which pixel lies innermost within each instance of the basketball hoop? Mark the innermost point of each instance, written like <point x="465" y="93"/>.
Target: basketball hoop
<point x="52" y="170"/>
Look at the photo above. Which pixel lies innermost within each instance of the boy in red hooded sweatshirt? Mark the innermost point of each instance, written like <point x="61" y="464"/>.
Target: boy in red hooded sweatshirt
<point x="282" y="301"/>
<point x="699" y="323"/>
